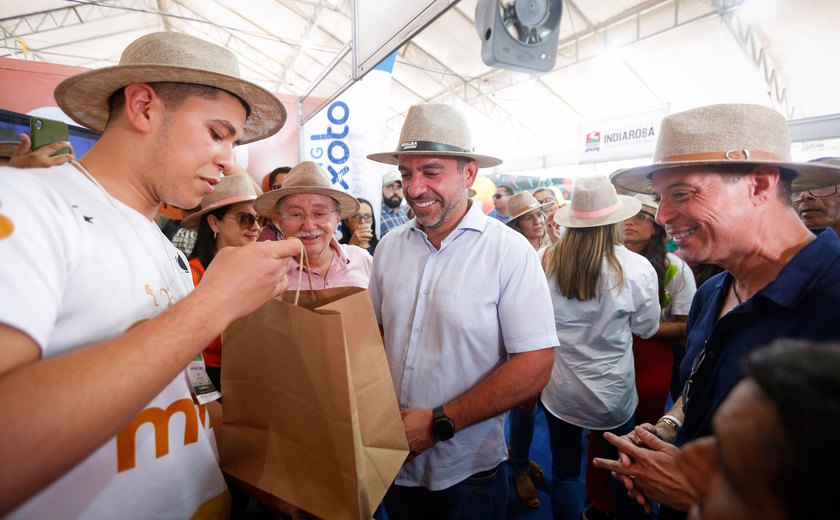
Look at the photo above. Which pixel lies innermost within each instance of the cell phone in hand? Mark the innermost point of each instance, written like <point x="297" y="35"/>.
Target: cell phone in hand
<point x="44" y="131"/>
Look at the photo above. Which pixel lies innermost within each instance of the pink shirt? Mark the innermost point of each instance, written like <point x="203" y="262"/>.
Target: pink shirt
<point x="350" y="267"/>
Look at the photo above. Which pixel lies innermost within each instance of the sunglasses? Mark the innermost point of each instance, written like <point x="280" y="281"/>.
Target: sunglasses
<point x="498" y="196"/>
<point x="247" y="220"/>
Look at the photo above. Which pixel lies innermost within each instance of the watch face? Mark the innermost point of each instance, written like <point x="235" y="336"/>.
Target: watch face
<point x="443" y="428"/>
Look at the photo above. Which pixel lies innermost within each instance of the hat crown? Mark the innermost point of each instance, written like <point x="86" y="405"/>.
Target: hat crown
<point x="721" y="128"/>
<point x="180" y="50"/>
<point x="522" y="202"/>
<point x="435" y="123"/>
<point x="229" y="188"/>
<point x="593" y="195"/>
<point x="649" y="205"/>
<point x="307" y="174"/>
<point x="391" y="177"/>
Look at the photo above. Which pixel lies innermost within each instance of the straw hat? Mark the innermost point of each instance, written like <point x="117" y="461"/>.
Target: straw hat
<point x="391" y="177"/>
<point x="230" y="190"/>
<point x="649" y="205"/>
<point x="595" y="203"/>
<point x="725" y="134"/>
<point x="7" y="148"/>
<point x="169" y="57"/>
<point x="307" y="177"/>
<point x="437" y="130"/>
<point x="523" y="203"/>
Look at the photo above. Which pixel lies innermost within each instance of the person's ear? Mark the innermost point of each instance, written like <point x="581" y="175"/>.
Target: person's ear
<point x="470" y="173"/>
<point x="142" y="104"/>
<point x="213" y="221"/>
<point x="764" y="182"/>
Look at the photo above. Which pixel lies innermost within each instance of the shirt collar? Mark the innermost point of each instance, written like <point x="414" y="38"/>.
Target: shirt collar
<point x="474" y="219"/>
<point x="340" y="258"/>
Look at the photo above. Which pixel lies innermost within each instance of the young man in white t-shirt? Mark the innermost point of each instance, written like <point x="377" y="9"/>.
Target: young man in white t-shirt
<point x="98" y="317"/>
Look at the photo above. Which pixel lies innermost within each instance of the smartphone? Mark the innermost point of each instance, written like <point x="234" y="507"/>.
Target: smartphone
<point x="44" y="131"/>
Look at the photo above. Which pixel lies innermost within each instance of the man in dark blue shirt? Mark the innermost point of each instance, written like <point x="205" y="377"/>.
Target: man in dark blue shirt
<point x="724" y="178"/>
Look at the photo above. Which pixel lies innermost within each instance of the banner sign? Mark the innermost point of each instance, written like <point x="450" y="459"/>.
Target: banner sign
<point x="340" y="136"/>
<point x="629" y="137"/>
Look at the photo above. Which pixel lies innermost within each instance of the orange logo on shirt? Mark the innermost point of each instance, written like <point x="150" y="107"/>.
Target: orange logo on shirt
<point x="159" y="418"/>
<point x="6" y="226"/>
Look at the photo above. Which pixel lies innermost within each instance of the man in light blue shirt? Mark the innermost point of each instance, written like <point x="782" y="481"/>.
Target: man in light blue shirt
<point x="500" y="200"/>
<point x="467" y="323"/>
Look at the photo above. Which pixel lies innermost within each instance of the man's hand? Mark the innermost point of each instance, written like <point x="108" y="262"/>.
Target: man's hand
<point x="240" y="279"/>
<point x="648" y="469"/>
<point x="418" y="430"/>
<point x="24" y="157"/>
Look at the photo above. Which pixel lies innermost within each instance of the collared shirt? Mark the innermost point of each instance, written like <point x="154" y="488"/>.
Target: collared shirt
<point x="450" y="318"/>
<point x="802" y="302"/>
<point x="392" y="218"/>
<point x="593" y="382"/>
<point x="494" y="213"/>
<point x="350" y="267"/>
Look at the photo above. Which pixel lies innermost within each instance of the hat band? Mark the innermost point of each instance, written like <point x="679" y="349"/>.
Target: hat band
<point x="430" y="146"/>
<point x="595" y="214"/>
<point x="729" y="155"/>
<point x="229" y="200"/>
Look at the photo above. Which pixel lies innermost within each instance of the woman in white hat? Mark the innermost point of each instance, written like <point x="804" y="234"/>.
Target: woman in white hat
<point x="226" y="219"/>
<point x="602" y="295"/>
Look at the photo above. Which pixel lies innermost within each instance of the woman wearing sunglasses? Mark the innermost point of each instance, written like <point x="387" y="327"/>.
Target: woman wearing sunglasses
<point x="360" y="229"/>
<point x="226" y="219"/>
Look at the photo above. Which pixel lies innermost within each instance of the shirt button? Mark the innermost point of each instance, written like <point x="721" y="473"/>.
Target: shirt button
<point x="426" y="292"/>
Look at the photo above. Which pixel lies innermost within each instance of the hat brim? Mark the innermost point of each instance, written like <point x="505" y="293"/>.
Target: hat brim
<point x="194" y="220"/>
<point x="484" y="161"/>
<point x="266" y="204"/>
<point x="629" y="207"/>
<point x="542" y="207"/>
<point x="85" y="97"/>
<point x="809" y="175"/>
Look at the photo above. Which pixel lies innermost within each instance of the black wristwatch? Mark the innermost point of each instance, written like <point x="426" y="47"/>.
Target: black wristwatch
<point x="442" y="426"/>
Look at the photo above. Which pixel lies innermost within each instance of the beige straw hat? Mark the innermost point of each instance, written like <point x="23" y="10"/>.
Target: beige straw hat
<point x="649" y="205"/>
<point x="391" y="177"/>
<point x="438" y="130"/>
<point x="7" y="148"/>
<point x="523" y="203"/>
<point x="307" y="177"/>
<point x="725" y="134"/>
<point x="230" y="190"/>
<point x="169" y="57"/>
<point x="595" y="203"/>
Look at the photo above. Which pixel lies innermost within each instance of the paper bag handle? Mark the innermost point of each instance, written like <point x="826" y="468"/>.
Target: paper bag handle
<point x="303" y="260"/>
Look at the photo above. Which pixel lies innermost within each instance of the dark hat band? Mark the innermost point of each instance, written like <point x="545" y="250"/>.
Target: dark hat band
<point x="431" y="146"/>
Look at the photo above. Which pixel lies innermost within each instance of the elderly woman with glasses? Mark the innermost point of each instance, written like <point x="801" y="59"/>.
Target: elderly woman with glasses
<point x="309" y="208"/>
<point x="360" y="229"/>
<point x="226" y="219"/>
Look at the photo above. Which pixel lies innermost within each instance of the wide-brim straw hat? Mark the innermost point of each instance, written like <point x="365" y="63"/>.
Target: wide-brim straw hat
<point x="724" y="135"/>
<point x="523" y="203"/>
<point x="649" y="205"/>
<point x="595" y="203"/>
<point x="169" y="57"/>
<point x="230" y="190"/>
<point x="7" y="148"/>
<point x="434" y="129"/>
<point x="307" y="177"/>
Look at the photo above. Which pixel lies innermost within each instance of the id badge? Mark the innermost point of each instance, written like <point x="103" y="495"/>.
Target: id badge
<point x="200" y="383"/>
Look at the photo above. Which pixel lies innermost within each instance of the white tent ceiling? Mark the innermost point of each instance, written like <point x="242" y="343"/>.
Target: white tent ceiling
<point x="615" y="57"/>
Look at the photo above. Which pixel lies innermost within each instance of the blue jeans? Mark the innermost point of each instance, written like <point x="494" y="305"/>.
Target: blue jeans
<point x="521" y="432"/>
<point x="565" y="443"/>
<point x="482" y="496"/>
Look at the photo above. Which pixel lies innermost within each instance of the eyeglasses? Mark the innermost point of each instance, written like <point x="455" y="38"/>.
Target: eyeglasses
<point x="318" y="216"/>
<point x="247" y="220"/>
<point x="498" y="196"/>
<point x="689" y="383"/>
<point x="547" y="200"/>
<point x="366" y="218"/>
<point x="818" y="193"/>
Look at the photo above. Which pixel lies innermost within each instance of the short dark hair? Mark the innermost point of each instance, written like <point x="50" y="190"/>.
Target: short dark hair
<point x="508" y="189"/>
<point x="173" y="96"/>
<point x="802" y="380"/>
<point x="733" y="172"/>
<point x="275" y="172"/>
